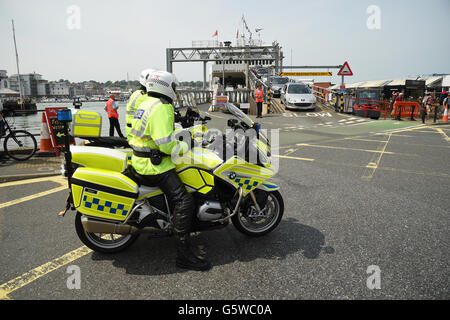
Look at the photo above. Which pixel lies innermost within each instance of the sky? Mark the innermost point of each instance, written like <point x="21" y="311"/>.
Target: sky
<point x="106" y="40"/>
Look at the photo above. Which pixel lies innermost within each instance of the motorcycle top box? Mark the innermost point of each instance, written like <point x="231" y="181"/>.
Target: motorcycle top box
<point x="103" y="194"/>
<point x="86" y="123"/>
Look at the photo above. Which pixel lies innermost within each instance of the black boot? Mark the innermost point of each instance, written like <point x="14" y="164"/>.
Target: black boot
<point x="186" y="259"/>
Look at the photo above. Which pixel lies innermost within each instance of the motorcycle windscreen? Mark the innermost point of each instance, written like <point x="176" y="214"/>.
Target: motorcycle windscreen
<point x="103" y="194"/>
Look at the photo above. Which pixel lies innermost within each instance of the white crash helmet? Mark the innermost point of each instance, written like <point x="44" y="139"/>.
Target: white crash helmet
<point x="162" y="82"/>
<point x="143" y="76"/>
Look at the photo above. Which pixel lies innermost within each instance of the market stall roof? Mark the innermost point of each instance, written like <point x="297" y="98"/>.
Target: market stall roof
<point x="376" y="83"/>
<point x="446" y="81"/>
<point x="433" y="81"/>
<point x="355" y="85"/>
<point x="335" y="87"/>
<point x="397" y="82"/>
<point x="8" y="92"/>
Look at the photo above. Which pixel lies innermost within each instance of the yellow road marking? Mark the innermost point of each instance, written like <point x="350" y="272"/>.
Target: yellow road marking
<point x="341" y="148"/>
<point x="373" y="165"/>
<point x="423" y="173"/>
<point x="295" y="158"/>
<point x="33" y="196"/>
<point x="446" y="138"/>
<point x="365" y="140"/>
<point x="41" y="271"/>
<point x="292" y="150"/>
<point x="57" y="179"/>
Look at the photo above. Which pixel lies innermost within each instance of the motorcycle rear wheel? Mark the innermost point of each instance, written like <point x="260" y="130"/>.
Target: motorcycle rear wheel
<point x="102" y="242"/>
<point x="257" y="226"/>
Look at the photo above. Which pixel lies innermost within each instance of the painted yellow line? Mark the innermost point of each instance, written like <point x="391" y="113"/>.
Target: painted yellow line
<point x="290" y="151"/>
<point x="57" y="179"/>
<point x="446" y="138"/>
<point x="33" y="196"/>
<point x="373" y="165"/>
<point x="365" y="140"/>
<point x="341" y="148"/>
<point x="294" y="158"/>
<point x="41" y="271"/>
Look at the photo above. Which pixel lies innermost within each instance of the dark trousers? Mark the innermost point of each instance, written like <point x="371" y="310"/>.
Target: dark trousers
<point x="259" y="108"/>
<point x="114" y="124"/>
<point x="169" y="182"/>
<point x="423" y="113"/>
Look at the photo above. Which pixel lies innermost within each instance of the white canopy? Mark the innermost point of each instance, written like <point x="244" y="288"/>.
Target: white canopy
<point x="446" y="81"/>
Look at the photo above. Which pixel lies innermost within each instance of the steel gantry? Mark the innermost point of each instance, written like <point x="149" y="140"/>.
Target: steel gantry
<point x="219" y="54"/>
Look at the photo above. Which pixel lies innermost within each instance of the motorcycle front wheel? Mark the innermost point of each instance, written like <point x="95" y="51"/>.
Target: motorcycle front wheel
<point x="103" y="242"/>
<point x="255" y="224"/>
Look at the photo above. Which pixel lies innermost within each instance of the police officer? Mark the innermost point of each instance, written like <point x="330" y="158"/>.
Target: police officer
<point x="135" y="100"/>
<point x="153" y="142"/>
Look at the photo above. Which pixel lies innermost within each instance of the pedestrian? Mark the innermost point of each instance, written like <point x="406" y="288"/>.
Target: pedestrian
<point x="399" y="110"/>
<point x="428" y="99"/>
<point x="259" y="98"/>
<point x="2" y="123"/>
<point x="423" y="109"/>
<point x="442" y="97"/>
<point x="113" y="116"/>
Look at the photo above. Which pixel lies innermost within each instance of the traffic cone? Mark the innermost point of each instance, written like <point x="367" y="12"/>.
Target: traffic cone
<point x="45" y="145"/>
<point x="445" y="117"/>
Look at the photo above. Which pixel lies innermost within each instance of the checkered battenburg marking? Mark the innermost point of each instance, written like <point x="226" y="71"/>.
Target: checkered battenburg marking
<point x="249" y="184"/>
<point x="104" y="206"/>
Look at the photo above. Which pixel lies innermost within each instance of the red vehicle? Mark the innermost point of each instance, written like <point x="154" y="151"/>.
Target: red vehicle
<point x="367" y="103"/>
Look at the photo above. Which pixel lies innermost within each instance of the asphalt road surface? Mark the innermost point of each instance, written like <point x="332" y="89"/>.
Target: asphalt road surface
<point x="366" y="217"/>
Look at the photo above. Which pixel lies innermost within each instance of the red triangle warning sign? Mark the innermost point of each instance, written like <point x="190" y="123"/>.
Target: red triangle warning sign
<point x="345" y="70"/>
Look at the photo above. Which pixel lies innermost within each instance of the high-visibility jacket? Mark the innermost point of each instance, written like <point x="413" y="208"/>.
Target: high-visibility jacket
<point x="259" y="95"/>
<point x="133" y="103"/>
<point x="110" y="109"/>
<point x="153" y="129"/>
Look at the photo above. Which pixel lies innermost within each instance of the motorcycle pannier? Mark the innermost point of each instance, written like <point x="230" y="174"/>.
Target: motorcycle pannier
<point x="103" y="194"/>
<point x="86" y="123"/>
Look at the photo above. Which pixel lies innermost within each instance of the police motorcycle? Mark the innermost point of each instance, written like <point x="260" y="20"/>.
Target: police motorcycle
<point x="113" y="209"/>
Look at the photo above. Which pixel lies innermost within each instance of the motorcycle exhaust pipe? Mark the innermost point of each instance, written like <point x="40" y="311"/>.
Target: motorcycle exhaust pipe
<point x="95" y="226"/>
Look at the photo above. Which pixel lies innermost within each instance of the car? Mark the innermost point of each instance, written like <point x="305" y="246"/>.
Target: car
<point x="277" y="84"/>
<point x="298" y="96"/>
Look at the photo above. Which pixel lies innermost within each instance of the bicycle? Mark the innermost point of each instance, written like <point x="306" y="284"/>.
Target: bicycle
<point x="19" y="145"/>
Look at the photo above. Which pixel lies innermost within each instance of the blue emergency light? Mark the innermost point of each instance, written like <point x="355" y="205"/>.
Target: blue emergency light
<point x="65" y="115"/>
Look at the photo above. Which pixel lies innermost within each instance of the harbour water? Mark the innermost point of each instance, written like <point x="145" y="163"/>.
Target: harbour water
<point x="32" y="123"/>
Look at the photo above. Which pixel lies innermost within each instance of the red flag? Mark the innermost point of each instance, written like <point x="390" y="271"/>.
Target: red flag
<point x="215" y="33"/>
<point x="237" y="35"/>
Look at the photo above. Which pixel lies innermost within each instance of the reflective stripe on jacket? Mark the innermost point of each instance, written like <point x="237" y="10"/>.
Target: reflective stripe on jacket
<point x="110" y="109"/>
<point x="259" y="95"/>
<point x="133" y="103"/>
<point x="153" y="129"/>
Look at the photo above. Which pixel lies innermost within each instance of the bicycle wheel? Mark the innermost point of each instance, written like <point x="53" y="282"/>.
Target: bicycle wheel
<point x="20" y="145"/>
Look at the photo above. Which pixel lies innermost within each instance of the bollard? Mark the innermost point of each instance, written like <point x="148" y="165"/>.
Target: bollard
<point x="269" y="96"/>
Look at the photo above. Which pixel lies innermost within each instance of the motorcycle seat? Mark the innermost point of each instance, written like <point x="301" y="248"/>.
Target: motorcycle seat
<point x="108" y="141"/>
